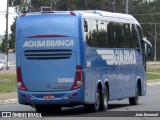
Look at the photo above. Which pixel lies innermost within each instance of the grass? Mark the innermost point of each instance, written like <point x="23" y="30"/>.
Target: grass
<point x="7" y="83"/>
<point x="153" y="70"/>
<point x="153" y="76"/>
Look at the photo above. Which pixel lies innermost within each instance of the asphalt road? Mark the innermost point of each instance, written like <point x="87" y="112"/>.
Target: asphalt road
<point x="150" y="103"/>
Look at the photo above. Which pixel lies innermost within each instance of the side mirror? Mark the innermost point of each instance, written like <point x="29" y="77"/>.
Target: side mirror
<point x="148" y="48"/>
<point x="149" y="51"/>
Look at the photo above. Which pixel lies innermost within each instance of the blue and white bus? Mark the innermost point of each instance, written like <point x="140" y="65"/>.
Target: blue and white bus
<point x="69" y="58"/>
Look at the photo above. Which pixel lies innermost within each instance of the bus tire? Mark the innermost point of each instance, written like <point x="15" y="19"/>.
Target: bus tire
<point x="96" y="106"/>
<point x="134" y="100"/>
<point x="104" y="99"/>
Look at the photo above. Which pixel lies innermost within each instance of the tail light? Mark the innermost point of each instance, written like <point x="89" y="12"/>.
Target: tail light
<point x="23" y="14"/>
<point x="78" y="79"/>
<point x="73" y="13"/>
<point x="20" y="83"/>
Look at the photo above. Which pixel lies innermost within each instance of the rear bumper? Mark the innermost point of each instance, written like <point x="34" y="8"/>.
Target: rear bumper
<point x="60" y="98"/>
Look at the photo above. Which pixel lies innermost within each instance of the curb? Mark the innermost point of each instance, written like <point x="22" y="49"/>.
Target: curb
<point x="15" y="100"/>
<point x="9" y="101"/>
<point x="153" y="84"/>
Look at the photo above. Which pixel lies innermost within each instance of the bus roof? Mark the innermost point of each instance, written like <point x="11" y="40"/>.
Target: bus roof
<point x="90" y="13"/>
<point x="107" y="14"/>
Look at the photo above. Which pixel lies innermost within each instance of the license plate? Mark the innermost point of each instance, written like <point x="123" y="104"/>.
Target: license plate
<point x="48" y="96"/>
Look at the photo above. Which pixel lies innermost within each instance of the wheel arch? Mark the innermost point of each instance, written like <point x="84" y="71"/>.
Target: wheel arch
<point x="99" y="86"/>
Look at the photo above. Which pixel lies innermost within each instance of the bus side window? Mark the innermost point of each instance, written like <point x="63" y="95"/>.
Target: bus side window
<point x="115" y="35"/>
<point x="87" y="34"/>
<point x="111" y="34"/>
<point x="127" y="42"/>
<point x="94" y="33"/>
<point x="102" y="34"/>
<point x="140" y="35"/>
<point x="135" y="38"/>
<point x="85" y="26"/>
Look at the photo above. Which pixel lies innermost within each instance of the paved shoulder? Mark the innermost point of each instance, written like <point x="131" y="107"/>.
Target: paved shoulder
<point x="8" y="98"/>
<point x="153" y="83"/>
<point x="10" y="71"/>
<point x="9" y="101"/>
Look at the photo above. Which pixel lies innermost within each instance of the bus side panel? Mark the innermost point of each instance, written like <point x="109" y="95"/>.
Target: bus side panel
<point x="122" y="78"/>
<point x="140" y="74"/>
<point x="90" y="76"/>
<point x="89" y="93"/>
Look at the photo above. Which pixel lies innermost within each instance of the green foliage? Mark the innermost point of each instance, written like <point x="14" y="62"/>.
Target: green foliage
<point x="12" y="35"/>
<point x="17" y="4"/>
<point x="107" y="5"/>
<point x="2" y="46"/>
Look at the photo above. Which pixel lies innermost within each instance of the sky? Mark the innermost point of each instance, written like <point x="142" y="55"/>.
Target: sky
<point x="12" y="14"/>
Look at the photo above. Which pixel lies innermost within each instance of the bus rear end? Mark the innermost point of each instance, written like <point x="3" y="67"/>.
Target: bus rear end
<point x="49" y="70"/>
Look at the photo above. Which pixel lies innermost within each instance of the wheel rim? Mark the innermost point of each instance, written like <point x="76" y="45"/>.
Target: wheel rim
<point x="97" y="100"/>
<point x="137" y="96"/>
<point x="105" y="98"/>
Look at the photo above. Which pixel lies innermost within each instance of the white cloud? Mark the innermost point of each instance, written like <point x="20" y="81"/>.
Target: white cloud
<point x="12" y="14"/>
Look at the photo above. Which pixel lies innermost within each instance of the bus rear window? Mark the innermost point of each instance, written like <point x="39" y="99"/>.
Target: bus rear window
<point x="48" y="24"/>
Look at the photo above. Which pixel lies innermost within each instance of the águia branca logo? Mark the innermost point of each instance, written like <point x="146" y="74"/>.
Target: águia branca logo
<point x="48" y="43"/>
<point x="118" y="57"/>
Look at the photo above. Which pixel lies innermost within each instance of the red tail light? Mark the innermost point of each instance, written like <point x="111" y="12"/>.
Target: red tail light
<point x="23" y="14"/>
<point x="72" y="13"/>
<point x="20" y="83"/>
<point x="78" y="79"/>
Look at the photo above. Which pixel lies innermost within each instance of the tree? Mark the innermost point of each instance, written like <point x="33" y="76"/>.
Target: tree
<point x="2" y="46"/>
<point x="17" y="4"/>
<point x="147" y="13"/>
<point x="12" y="35"/>
<point x="23" y="5"/>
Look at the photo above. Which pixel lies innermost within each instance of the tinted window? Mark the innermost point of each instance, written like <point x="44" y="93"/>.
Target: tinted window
<point x="126" y="41"/>
<point x="87" y="31"/>
<point x="94" y="33"/>
<point x="111" y="35"/>
<point x="115" y="34"/>
<point x="99" y="36"/>
<point x="135" y="38"/>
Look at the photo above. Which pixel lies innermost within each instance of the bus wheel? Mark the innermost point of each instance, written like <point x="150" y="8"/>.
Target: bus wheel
<point x="104" y="100"/>
<point x="134" y="100"/>
<point x="95" y="107"/>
